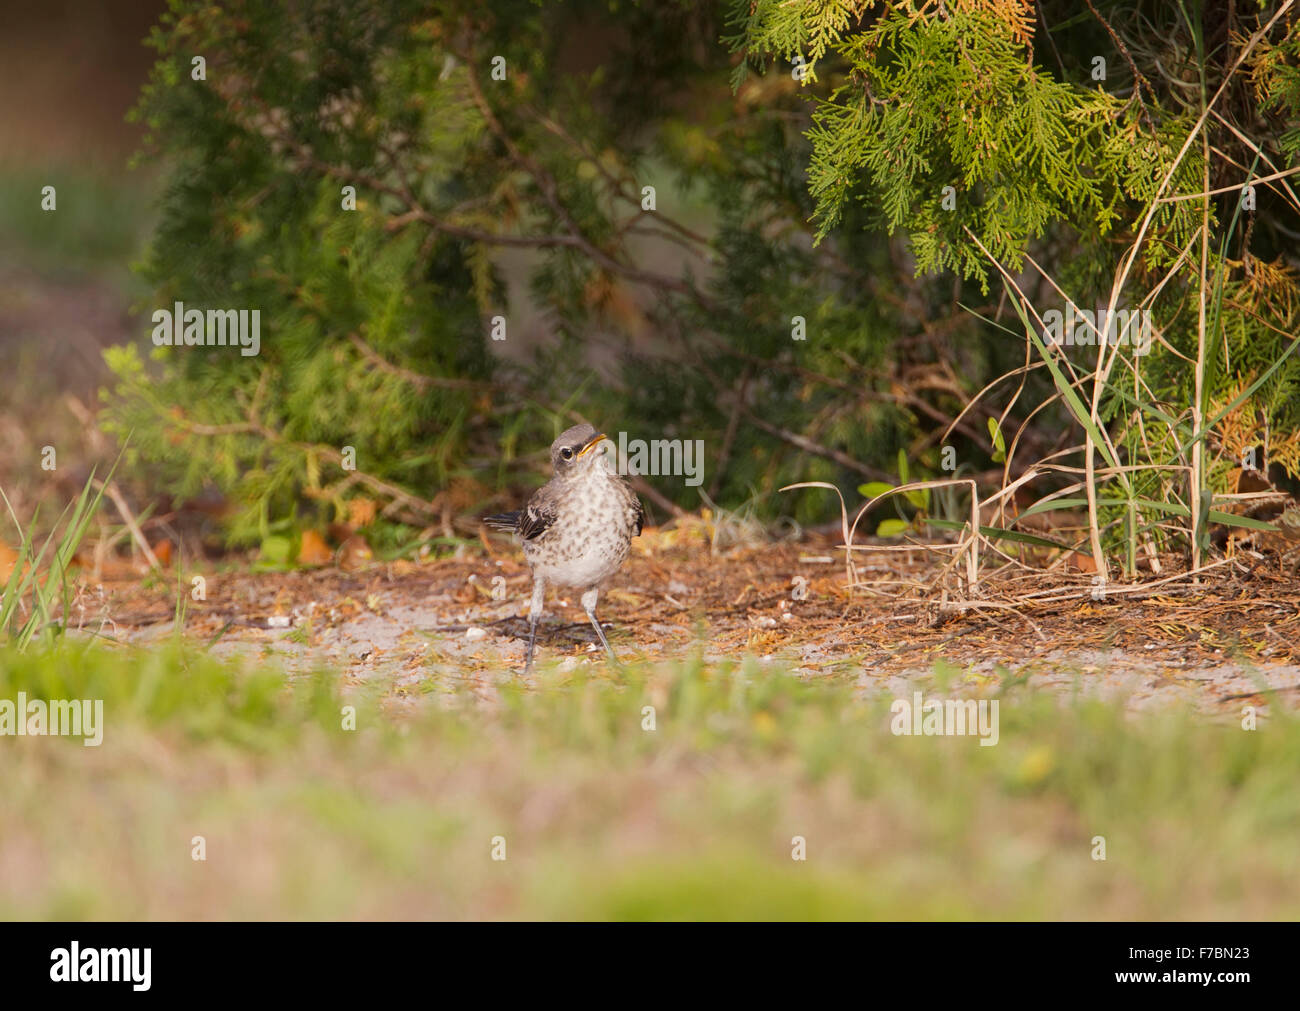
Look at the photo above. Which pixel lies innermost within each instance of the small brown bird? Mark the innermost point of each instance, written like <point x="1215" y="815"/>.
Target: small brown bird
<point x="577" y="529"/>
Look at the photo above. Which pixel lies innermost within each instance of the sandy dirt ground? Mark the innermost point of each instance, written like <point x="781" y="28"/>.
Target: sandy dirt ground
<point x="408" y="627"/>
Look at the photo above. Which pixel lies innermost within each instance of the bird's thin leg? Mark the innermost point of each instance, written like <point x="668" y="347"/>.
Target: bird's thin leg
<point x="534" y="613"/>
<point x="601" y="635"/>
<point x="589" y="605"/>
<point x="532" y="641"/>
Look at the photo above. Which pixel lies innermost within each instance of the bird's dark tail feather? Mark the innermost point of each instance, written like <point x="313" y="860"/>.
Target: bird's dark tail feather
<point x="502" y="521"/>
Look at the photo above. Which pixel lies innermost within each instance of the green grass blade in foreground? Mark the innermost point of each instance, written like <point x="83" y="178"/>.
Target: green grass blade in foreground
<point x="172" y="689"/>
<point x="12" y="591"/>
<point x="26" y="579"/>
<point x="692" y="820"/>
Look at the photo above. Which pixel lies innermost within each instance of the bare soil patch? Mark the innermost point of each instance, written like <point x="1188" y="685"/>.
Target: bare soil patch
<point x="1229" y="642"/>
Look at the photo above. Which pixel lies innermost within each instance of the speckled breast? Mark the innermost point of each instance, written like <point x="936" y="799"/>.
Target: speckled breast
<point x="589" y="539"/>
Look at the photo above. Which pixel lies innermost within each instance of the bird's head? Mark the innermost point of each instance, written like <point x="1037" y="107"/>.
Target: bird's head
<point x="576" y="450"/>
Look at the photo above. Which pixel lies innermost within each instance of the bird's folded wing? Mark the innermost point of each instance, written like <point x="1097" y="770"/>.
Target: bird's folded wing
<point x="527" y="523"/>
<point x="640" y="515"/>
<point x="535" y="519"/>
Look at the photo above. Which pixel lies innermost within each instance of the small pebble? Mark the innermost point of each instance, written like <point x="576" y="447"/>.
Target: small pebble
<point x="475" y="634"/>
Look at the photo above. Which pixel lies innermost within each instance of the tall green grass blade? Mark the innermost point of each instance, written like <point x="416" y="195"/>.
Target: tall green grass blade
<point x="1072" y="399"/>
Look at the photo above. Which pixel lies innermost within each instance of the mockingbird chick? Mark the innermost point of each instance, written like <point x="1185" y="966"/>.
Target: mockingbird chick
<point x="577" y="528"/>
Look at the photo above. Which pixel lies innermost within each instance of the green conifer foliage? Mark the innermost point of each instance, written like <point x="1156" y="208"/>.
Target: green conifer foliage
<point x="798" y="296"/>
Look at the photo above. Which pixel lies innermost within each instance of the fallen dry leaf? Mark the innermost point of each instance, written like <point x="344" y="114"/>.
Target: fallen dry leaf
<point x="314" y="550"/>
<point x="354" y="553"/>
<point x="8" y="558"/>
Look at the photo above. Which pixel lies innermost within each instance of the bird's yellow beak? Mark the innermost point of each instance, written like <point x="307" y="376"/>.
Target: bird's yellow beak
<point x="596" y="440"/>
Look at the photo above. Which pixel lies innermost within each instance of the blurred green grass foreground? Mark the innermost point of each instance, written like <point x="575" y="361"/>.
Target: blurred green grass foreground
<point x="597" y="816"/>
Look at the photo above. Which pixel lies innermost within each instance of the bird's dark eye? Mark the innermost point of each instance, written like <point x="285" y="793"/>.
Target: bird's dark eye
<point x="567" y="453"/>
